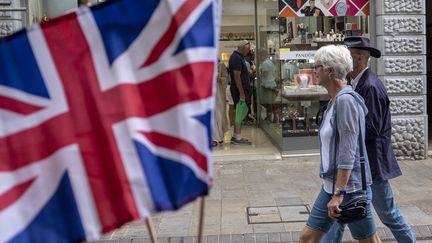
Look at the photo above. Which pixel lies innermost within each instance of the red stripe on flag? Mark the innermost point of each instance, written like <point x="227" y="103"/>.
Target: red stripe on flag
<point x="17" y="106"/>
<point x="176" y="144"/>
<point x="34" y="144"/>
<point x="10" y="196"/>
<point x="185" y="10"/>
<point x="188" y="83"/>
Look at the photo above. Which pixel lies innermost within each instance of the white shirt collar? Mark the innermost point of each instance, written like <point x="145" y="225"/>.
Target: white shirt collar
<point x="354" y="82"/>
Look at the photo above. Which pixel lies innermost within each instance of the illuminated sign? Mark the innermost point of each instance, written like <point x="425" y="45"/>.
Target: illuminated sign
<point x="286" y="54"/>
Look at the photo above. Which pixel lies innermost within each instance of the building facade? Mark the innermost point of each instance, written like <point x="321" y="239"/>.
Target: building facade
<point x="396" y="27"/>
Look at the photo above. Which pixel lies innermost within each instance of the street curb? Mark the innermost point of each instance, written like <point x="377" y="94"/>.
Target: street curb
<point x="422" y="232"/>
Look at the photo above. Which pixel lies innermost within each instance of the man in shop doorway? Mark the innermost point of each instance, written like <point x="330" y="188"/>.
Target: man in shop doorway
<point x="311" y="10"/>
<point x="378" y="143"/>
<point x="240" y="85"/>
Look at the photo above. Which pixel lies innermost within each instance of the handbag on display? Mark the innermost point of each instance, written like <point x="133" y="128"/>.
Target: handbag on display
<point x="354" y="209"/>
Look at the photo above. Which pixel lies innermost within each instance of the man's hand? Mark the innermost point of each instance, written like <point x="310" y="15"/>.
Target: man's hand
<point x="242" y="96"/>
<point x="333" y="207"/>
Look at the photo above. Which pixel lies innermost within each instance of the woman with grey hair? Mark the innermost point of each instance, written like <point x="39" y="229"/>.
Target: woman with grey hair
<point x="341" y="132"/>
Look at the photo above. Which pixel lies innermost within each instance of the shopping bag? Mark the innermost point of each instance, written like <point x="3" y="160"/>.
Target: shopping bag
<point x="241" y="111"/>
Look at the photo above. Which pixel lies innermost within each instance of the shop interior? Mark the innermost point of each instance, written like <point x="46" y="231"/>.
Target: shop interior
<point x="290" y="100"/>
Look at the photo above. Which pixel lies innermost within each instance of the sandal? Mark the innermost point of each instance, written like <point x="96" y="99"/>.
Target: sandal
<point x="214" y="144"/>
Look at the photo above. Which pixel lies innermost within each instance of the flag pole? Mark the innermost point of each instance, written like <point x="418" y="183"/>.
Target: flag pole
<point x="201" y="220"/>
<point x="151" y="230"/>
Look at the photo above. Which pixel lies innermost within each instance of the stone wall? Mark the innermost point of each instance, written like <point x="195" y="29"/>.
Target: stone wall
<point x="401" y="37"/>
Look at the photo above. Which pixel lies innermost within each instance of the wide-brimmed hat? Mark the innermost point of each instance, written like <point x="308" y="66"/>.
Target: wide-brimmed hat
<point x="362" y="43"/>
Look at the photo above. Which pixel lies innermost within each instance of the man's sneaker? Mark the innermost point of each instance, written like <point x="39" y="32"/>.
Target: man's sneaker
<point x="241" y="141"/>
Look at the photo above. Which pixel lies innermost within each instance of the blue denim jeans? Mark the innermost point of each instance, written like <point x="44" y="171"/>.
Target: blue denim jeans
<point x="388" y="212"/>
<point x="319" y="219"/>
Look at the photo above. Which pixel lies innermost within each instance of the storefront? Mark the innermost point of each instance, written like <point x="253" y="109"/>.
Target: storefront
<point x="287" y="34"/>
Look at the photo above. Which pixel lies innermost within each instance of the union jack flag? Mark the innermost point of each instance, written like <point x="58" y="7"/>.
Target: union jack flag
<point x="105" y="117"/>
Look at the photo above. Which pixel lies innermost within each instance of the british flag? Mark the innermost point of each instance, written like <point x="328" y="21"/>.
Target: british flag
<point x="105" y="117"/>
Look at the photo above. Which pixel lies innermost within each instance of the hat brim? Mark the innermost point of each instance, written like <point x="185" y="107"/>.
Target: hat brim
<point x="373" y="52"/>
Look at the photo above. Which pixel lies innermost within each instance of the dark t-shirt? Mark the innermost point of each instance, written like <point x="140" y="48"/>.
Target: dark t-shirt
<point x="237" y="63"/>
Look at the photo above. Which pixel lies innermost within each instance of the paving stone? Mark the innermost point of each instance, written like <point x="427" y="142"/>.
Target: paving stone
<point x="347" y="236"/>
<point x="293" y="213"/>
<point x="189" y="239"/>
<point x="381" y="233"/>
<point x="237" y="238"/>
<point x="265" y="218"/>
<point x="297" y="226"/>
<point x="175" y="240"/>
<point x="125" y="240"/>
<point x="274" y="238"/>
<point x="225" y="238"/>
<point x="263" y="210"/>
<point x="213" y="229"/>
<point x="118" y="234"/>
<point x="213" y="239"/>
<point x="423" y="231"/>
<point x="203" y="239"/>
<point x="296" y="236"/>
<point x="415" y="215"/>
<point x="231" y="171"/>
<point x="416" y="231"/>
<point x="250" y="238"/>
<point x="261" y="238"/>
<point x="430" y="228"/>
<point x="286" y="237"/>
<point x="289" y="201"/>
<point x="268" y="228"/>
<point x="388" y="232"/>
<point x="107" y="236"/>
<point x="114" y="241"/>
<point x="261" y="201"/>
<point x="142" y="240"/>
<point x="163" y="240"/>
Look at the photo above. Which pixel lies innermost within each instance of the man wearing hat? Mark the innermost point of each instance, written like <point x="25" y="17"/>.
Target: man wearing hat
<point x="240" y="85"/>
<point x="378" y="142"/>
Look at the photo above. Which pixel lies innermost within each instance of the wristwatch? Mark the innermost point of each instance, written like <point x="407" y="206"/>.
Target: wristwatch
<point x="341" y="8"/>
<point x="340" y="192"/>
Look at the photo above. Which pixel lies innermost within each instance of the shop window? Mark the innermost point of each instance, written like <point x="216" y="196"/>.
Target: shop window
<point x="289" y="33"/>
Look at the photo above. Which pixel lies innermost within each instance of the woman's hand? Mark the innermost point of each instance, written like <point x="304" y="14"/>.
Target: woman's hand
<point x="333" y="207"/>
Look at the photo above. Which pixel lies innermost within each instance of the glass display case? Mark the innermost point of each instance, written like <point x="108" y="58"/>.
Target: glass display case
<point x="289" y="97"/>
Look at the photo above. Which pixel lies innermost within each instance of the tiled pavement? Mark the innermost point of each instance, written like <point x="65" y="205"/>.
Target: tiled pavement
<point x="268" y="188"/>
<point x="423" y="234"/>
